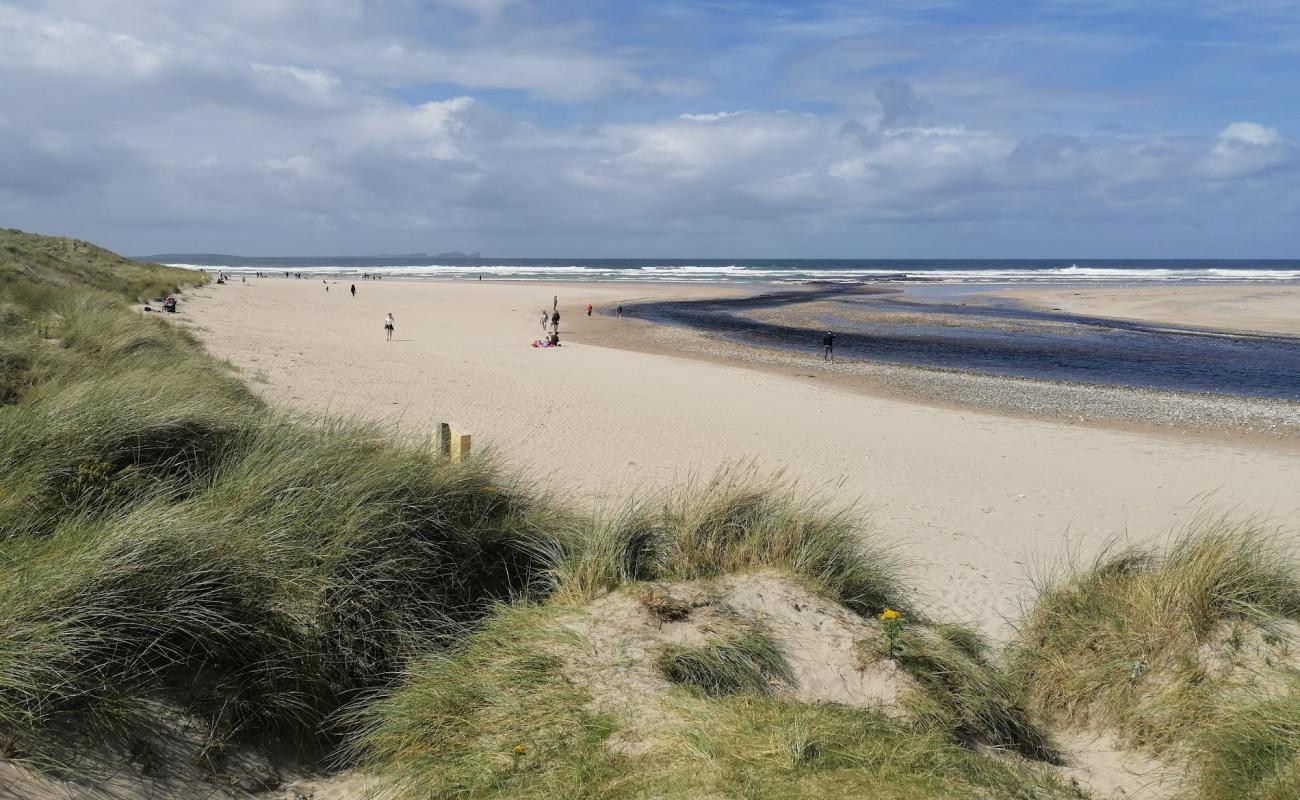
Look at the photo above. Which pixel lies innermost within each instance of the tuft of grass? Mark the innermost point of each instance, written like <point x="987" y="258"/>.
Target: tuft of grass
<point x="737" y="521"/>
<point x="1121" y="643"/>
<point x="496" y="719"/>
<point x="963" y="692"/>
<point x="1251" y="751"/>
<point x="312" y="565"/>
<point x="742" y="658"/>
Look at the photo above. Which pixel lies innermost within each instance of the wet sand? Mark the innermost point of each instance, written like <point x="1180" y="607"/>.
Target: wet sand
<point x="1245" y="308"/>
<point x="975" y="499"/>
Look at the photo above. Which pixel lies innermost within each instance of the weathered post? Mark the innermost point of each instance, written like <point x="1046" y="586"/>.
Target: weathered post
<point x="460" y="446"/>
<point x="442" y="440"/>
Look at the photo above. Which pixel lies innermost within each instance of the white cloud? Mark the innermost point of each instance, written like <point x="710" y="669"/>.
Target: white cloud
<point x="309" y="85"/>
<point x="1244" y="149"/>
<point x="62" y="45"/>
<point x="1250" y="133"/>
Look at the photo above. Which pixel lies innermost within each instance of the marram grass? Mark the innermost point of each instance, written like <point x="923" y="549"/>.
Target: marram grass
<point x="499" y="719"/>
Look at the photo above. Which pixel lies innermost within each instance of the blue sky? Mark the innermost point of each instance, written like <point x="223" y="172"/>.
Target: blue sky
<point x="932" y="128"/>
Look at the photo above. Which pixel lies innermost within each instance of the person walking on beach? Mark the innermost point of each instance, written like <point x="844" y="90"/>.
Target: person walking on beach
<point x="544" y="318"/>
<point x="388" y="326"/>
<point x="555" y="322"/>
<point x="589" y="309"/>
<point x="828" y="347"/>
<point x="354" y="290"/>
<point x="620" y="310"/>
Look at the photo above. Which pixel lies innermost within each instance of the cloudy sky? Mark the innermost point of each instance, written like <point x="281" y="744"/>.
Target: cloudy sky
<point x="722" y="128"/>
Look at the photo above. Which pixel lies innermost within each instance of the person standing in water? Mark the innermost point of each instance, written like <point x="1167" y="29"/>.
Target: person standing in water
<point x="828" y="347"/>
<point x="389" y="323"/>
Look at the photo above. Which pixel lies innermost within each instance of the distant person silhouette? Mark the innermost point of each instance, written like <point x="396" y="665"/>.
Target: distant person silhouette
<point x="828" y="347"/>
<point x="354" y="290"/>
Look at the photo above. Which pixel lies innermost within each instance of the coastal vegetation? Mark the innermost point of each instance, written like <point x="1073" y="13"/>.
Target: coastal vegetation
<point x="1191" y="653"/>
<point x="178" y="558"/>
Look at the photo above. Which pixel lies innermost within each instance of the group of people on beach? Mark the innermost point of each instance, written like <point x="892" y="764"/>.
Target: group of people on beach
<point x="550" y="323"/>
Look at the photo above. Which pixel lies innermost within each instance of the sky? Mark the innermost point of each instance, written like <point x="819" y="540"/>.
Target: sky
<point x="721" y="128"/>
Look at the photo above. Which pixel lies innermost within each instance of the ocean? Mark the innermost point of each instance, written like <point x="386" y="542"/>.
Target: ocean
<point x="990" y="271"/>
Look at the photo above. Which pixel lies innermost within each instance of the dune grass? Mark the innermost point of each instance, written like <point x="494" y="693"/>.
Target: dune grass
<point x="963" y="692"/>
<point x="742" y="658"/>
<point x="166" y="537"/>
<point x="737" y="520"/>
<point x="35" y="265"/>
<point x="1120" y="644"/>
<point x="1154" y="645"/>
<point x="499" y="719"/>
<point x="1251" y="751"/>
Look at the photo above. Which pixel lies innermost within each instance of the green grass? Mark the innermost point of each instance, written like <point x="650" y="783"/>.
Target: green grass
<point x="1251" y="751"/>
<point x="963" y="692"/>
<point x="742" y="658"/>
<point x="1119" y="644"/>
<point x="736" y="521"/>
<point x="500" y="719"/>
<point x="1180" y="653"/>
<point x="35" y="266"/>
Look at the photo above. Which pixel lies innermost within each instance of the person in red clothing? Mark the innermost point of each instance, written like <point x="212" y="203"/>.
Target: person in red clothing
<point x="589" y="309"/>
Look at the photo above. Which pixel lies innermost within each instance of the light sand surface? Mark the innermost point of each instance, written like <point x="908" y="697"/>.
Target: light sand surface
<point x="1251" y="309"/>
<point x="974" y="499"/>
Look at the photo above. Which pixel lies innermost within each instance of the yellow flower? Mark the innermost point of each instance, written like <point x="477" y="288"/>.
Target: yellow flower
<point x="890" y="614"/>
<point x="489" y="490"/>
<point x="520" y="749"/>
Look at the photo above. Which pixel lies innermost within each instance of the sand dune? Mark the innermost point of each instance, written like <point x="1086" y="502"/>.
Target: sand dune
<point x="975" y="499"/>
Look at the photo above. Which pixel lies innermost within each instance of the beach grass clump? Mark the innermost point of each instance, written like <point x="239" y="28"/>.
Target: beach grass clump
<point x="742" y="658"/>
<point x="91" y="323"/>
<point x="103" y="441"/>
<point x="737" y="521"/>
<point x="1129" y="642"/>
<point x="313" y="567"/>
<point x="498" y="718"/>
<point x="1251" y="751"/>
<point x="963" y="692"/>
<point x="504" y="717"/>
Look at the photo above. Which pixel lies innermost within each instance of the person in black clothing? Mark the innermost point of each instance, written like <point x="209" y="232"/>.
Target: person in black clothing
<point x="354" y="290"/>
<point x="555" y="321"/>
<point x="828" y="346"/>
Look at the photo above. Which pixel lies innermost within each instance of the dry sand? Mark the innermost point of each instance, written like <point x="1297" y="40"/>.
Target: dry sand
<point x="1248" y="309"/>
<point x="975" y="499"/>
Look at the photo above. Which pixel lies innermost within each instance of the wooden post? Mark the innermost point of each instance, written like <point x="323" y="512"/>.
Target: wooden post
<point x="460" y="446"/>
<point x="442" y="440"/>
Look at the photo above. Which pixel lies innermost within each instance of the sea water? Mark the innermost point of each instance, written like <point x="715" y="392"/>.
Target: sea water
<point x="979" y="271"/>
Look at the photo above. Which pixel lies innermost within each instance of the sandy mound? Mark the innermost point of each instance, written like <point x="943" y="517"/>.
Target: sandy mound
<point x="822" y="641"/>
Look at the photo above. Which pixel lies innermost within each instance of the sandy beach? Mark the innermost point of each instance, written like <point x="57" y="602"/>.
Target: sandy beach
<point x="977" y="500"/>
<point x="1243" y="308"/>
